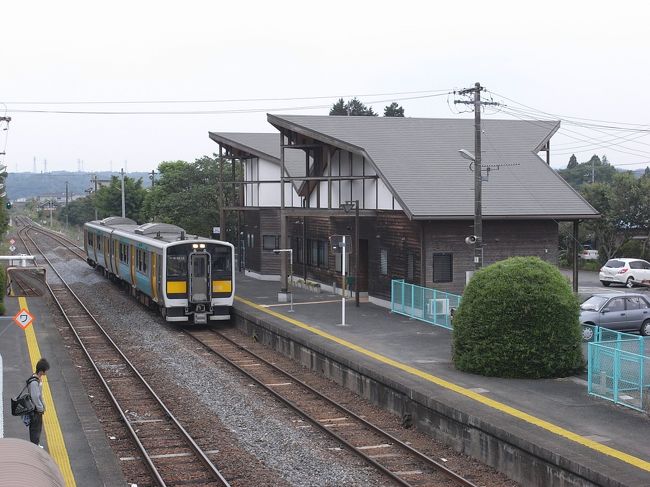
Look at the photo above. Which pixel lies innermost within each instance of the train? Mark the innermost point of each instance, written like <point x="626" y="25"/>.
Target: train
<point x="188" y="278"/>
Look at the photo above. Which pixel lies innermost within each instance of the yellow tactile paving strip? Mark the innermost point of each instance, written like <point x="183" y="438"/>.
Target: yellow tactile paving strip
<point x="55" y="441"/>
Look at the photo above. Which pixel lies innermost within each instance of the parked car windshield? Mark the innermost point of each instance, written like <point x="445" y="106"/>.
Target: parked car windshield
<point x="615" y="263"/>
<point x="594" y="303"/>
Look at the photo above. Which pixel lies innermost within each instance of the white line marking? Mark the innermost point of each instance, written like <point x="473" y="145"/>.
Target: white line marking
<point x="370" y="447"/>
<point x="298" y="304"/>
<point x="279" y="384"/>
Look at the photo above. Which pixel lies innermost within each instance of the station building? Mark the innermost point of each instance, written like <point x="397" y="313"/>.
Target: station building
<point x="400" y="190"/>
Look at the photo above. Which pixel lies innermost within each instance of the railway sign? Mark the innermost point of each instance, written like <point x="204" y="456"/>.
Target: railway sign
<point x="23" y="318"/>
<point x="12" y="248"/>
<point x="12" y="241"/>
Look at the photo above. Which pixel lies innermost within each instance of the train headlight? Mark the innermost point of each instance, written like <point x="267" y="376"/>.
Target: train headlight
<point x="201" y="246"/>
<point x="195" y="246"/>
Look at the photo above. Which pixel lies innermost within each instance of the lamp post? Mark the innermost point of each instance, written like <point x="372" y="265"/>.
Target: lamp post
<point x="290" y="251"/>
<point x="347" y="207"/>
<point x="477" y="238"/>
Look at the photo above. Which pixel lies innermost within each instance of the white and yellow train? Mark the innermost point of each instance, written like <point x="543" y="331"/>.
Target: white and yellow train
<point x="188" y="278"/>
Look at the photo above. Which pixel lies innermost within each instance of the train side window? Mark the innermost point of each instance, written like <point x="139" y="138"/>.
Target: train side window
<point x="90" y="239"/>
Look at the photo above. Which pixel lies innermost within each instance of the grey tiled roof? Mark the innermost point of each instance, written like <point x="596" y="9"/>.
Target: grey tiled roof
<point x="418" y="158"/>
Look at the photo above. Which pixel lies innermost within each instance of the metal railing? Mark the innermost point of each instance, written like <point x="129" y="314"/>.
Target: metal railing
<point x="617" y="367"/>
<point x="423" y="303"/>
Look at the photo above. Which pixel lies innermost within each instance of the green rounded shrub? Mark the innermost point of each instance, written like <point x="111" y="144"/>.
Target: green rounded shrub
<point x="518" y="318"/>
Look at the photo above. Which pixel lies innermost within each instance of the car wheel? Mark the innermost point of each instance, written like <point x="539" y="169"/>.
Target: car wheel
<point x="645" y="328"/>
<point x="605" y="283"/>
<point x="629" y="283"/>
<point x="588" y="333"/>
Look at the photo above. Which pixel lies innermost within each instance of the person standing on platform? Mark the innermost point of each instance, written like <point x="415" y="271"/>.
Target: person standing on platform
<point x="35" y="383"/>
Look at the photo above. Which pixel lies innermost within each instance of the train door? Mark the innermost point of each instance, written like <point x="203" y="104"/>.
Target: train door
<point x="153" y="276"/>
<point x="132" y="262"/>
<point x="199" y="277"/>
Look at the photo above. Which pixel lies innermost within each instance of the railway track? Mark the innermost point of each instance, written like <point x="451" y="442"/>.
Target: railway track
<point x="170" y="453"/>
<point x="395" y="459"/>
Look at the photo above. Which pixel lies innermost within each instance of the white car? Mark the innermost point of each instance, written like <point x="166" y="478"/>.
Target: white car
<point x="589" y="254"/>
<point x="624" y="271"/>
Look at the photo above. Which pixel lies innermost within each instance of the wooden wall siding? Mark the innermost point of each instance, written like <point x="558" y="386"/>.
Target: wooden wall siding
<point x="502" y="239"/>
<point x="269" y="224"/>
<point x="321" y="228"/>
<point x="400" y="236"/>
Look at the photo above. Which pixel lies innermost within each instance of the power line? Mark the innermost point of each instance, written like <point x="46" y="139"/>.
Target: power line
<point x="214" y="112"/>
<point x="224" y="100"/>
<point x="578" y="136"/>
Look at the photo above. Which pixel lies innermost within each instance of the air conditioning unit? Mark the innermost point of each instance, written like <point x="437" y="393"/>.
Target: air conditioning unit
<point x="438" y="306"/>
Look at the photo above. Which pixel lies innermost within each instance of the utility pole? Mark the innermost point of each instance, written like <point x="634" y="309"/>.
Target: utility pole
<point x="123" y="202"/>
<point x="152" y="176"/>
<point x="478" y="211"/>
<point x="66" y="205"/>
<point x="94" y="180"/>
<point x="593" y="171"/>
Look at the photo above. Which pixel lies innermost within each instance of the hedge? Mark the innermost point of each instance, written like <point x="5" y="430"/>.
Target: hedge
<point x="518" y="318"/>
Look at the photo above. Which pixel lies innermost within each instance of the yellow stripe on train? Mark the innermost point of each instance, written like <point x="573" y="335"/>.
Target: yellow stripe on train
<point x="176" y="287"/>
<point x="221" y="286"/>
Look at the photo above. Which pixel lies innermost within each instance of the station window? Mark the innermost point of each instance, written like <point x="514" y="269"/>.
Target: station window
<point x="443" y="267"/>
<point x="317" y="253"/>
<point x="270" y="242"/>
<point x="338" y="262"/>
<point x="410" y="267"/>
<point x="383" y="262"/>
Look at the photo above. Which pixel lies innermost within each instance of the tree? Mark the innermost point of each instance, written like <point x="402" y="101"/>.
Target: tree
<point x="109" y="198"/>
<point x="573" y="162"/>
<point x="338" y="108"/>
<point x="393" y="110"/>
<point x="353" y="107"/>
<point x="187" y="194"/>
<point x="80" y="211"/>
<point x="579" y="174"/>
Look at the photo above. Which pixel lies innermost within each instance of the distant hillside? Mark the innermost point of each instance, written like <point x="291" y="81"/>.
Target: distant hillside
<point x="30" y="185"/>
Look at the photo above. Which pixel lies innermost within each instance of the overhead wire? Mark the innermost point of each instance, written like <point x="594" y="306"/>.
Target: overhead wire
<point x="223" y="100"/>
<point x="579" y="136"/>
<point x="217" y="112"/>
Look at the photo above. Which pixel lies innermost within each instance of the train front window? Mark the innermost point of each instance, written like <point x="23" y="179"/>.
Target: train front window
<point x="199" y="267"/>
<point x="177" y="266"/>
<point x="221" y="262"/>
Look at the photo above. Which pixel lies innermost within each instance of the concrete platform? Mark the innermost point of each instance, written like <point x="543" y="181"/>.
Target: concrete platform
<point x="540" y="432"/>
<point x="82" y="443"/>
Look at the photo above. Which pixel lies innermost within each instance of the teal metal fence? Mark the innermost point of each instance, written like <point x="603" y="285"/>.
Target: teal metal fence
<point x="619" y="375"/>
<point x="618" y="368"/>
<point x="423" y="303"/>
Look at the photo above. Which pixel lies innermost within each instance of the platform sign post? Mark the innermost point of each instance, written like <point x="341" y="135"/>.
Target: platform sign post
<point x="340" y="245"/>
<point x="23" y="318"/>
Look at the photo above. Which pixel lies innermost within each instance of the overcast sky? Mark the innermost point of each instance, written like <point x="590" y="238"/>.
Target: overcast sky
<point x="585" y="59"/>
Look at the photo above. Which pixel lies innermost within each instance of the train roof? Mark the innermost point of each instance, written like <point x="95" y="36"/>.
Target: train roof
<point x="23" y="463"/>
<point x="158" y="232"/>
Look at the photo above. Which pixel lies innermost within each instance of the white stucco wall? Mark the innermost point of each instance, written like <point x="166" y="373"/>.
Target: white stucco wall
<point x="266" y="194"/>
<point x="371" y="194"/>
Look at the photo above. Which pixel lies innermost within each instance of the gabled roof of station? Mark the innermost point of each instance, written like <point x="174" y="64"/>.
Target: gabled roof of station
<point x="265" y="146"/>
<point x="419" y="161"/>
